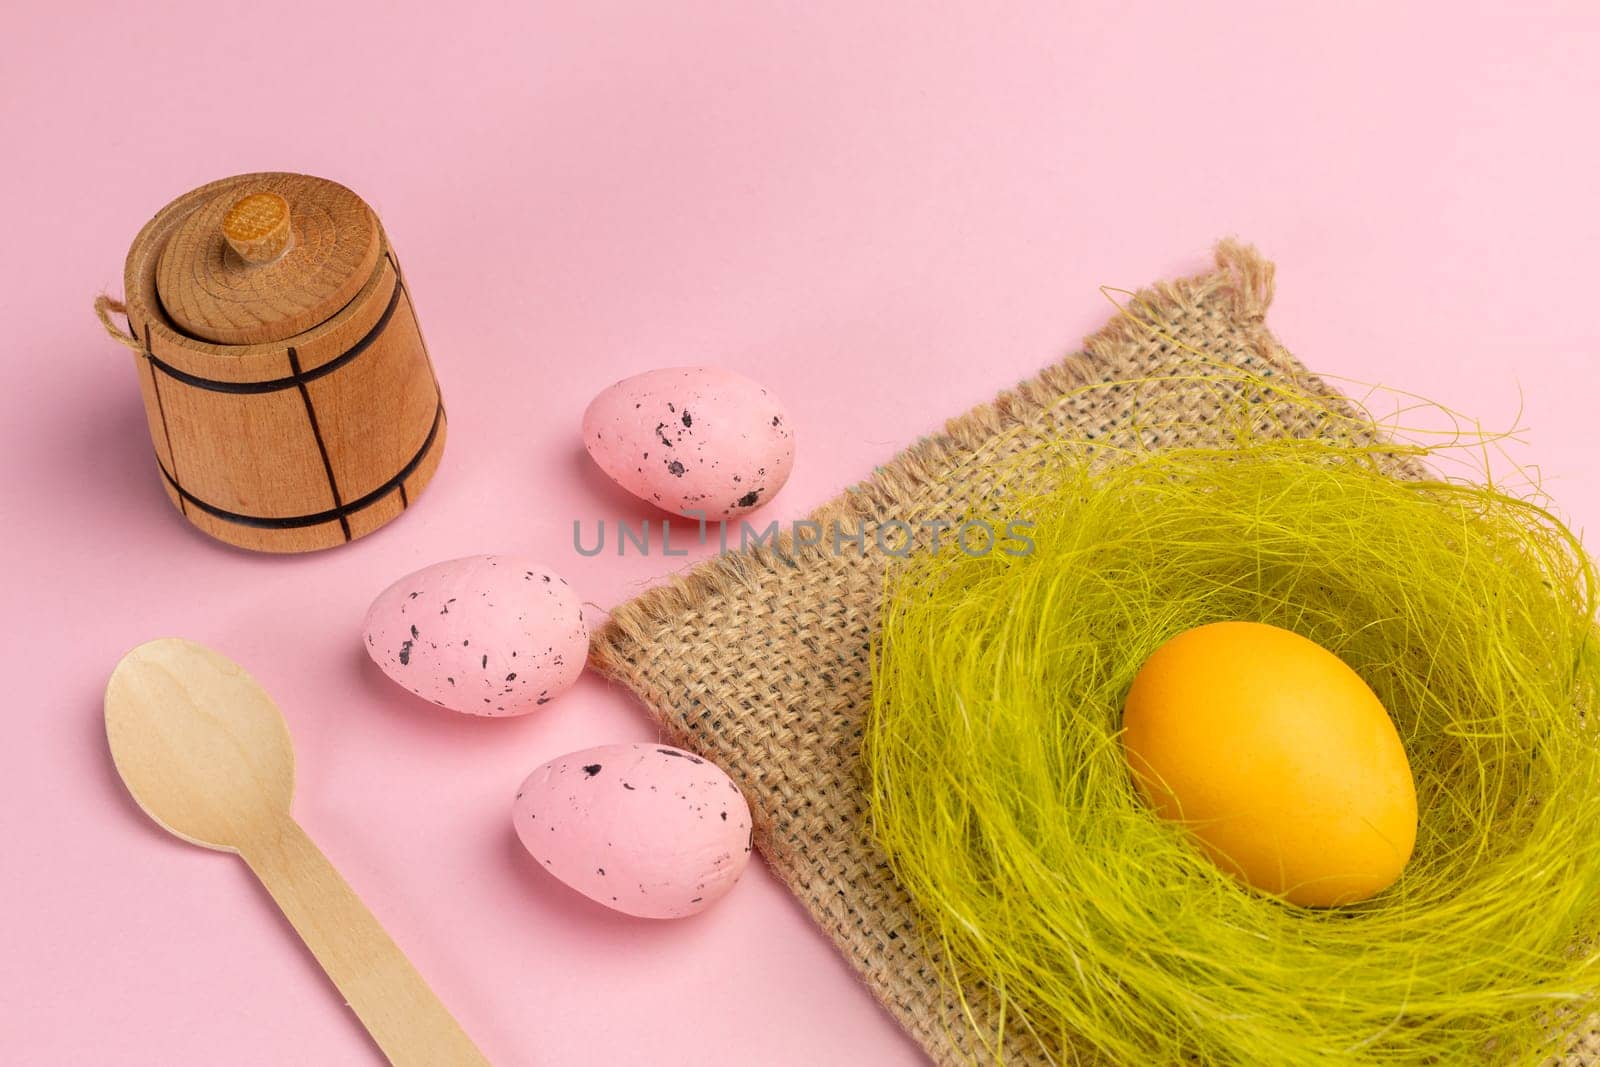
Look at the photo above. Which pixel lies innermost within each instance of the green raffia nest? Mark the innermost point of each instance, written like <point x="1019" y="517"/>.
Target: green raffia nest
<point x="1002" y="797"/>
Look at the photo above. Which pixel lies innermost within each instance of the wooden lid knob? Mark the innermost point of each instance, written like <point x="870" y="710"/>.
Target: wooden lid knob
<point x="257" y="227"/>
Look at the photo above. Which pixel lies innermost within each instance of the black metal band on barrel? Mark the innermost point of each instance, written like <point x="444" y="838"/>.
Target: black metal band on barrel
<point x="294" y="380"/>
<point x="336" y="514"/>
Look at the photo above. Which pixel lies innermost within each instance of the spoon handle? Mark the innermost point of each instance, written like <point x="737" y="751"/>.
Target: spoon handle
<point x="402" y="1014"/>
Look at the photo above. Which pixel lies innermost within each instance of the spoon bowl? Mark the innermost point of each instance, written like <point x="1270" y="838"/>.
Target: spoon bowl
<point x="202" y="748"/>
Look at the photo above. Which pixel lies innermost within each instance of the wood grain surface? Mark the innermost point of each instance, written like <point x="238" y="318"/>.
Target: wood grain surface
<point x="274" y="441"/>
<point x="206" y="754"/>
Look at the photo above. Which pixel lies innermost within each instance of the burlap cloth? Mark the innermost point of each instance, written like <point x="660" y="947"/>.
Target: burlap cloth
<point x="760" y="660"/>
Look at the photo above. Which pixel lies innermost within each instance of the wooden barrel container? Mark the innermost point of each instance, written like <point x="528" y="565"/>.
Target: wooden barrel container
<point x="290" y="398"/>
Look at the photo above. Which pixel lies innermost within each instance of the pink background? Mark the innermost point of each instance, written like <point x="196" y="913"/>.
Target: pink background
<point x="882" y="211"/>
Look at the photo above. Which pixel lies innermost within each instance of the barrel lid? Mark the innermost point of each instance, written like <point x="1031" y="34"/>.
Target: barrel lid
<point x="263" y="261"/>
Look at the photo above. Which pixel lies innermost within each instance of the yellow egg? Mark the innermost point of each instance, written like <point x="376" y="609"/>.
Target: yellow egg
<point x="1277" y="757"/>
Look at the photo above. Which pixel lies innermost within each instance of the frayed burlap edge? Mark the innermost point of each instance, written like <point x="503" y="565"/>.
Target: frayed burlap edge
<point x="760" y="660"/>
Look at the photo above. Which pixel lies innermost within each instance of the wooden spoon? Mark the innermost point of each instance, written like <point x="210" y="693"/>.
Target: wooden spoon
<point x="206" y="754"/>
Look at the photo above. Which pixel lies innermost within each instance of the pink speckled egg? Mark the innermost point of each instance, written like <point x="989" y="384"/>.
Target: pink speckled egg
<point x="649" y="830"/>
<point x="692" y="440"/>
<point x="484" y="635"/>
